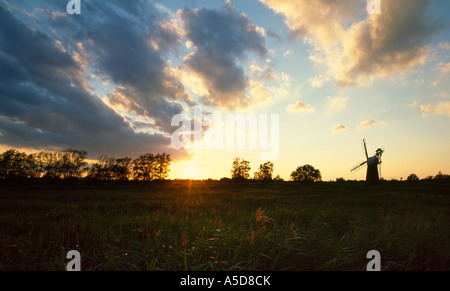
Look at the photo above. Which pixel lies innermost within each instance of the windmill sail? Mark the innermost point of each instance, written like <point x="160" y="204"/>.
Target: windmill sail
<point x="365" y="148"/>
<point x="358" y="166"/>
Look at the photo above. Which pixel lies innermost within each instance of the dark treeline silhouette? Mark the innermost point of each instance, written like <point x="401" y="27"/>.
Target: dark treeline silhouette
<point x="71" y="164"/>
<point x="65" y="164"/>
<point x="412" y="178"/>
<point x="240" y="170"/>
<point x="146" y="167"/>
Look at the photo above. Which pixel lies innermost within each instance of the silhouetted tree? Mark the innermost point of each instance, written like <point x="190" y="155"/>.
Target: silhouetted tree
<point x="103" y="169"/>
<point x="149" y="167"/>
<point x="265" y="172"/>
<point x="110" y="169"/>
<point x="412" y="177"/>
<point x="162" y="166"/>
<point x="33" y="167"/>
<point x="440" y="176"/>
<point x="71" y="163"/>
<point x="240" y="169"/>
<point x="143" y="167"/>
<point x="122" y="169"/>
<point x="278" y="178"/>
<point x="48" y="164"/>
<point x="14" y="164"/>
<point x="306" y="173"/>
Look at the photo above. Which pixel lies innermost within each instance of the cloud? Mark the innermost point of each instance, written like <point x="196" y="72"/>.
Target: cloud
<point x="147" y="83"/>
<point x="317" y="21"/>
<point x="287" y="53"/>
<point x="262" y="74"/>
<point x="443" y="67"/>
<point x="221" y="40"/>
<point x="300" y="107"/>
<point x="105" y="82"/>
<point x="259" y="93"/>
<point x="319" y="81"/>
<point x="370" y="123"/>
<point x="278" y="88"/>
<point x="339" y="127"/>
<point x="440" y="108"/>
<point x="45" y="71"/>
<point x="444" y="45"/>
<point x="357" y="48"/>
<point x="337" y="104"/>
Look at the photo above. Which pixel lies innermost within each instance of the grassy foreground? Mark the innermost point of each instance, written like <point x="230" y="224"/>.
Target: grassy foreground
<point x="212" y="225"/>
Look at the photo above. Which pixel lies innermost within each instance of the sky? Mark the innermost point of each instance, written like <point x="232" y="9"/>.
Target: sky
<point x="112" y="79"/>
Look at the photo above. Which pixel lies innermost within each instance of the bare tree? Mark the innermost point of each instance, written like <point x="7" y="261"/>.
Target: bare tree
<point x="72" y="163"/>
<point x="149" y="167"/>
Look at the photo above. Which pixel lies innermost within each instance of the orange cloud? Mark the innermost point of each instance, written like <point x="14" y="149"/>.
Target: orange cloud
<point x="366" y="124"/>
<point x="443" y="67"/>
<point x="358" y="48"/>
<point x="339" y="127"/>
<point x="300" y="107"/>
<point x="440" y="108"/>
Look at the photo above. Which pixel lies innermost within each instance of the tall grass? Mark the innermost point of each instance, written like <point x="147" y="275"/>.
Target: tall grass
<point x="182" y="225"/>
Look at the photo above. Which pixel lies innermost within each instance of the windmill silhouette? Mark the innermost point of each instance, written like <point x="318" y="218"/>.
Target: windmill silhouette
<point x="372" y="165"/>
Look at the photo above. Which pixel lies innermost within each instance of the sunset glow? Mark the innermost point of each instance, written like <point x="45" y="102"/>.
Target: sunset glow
<point x="111" y="79"/>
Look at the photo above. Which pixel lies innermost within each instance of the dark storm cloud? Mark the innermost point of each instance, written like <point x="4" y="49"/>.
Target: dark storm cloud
<point x="221" y="39"/>
<point x="125" y="55"/>
<point x="52" y="66"/>
<point x="117" y="36"/>
<point x="43" y="95"/>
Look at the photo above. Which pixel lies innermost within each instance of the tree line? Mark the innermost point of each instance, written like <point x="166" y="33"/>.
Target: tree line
<point x="240" y="170"/>
<point x="72" y="164"/>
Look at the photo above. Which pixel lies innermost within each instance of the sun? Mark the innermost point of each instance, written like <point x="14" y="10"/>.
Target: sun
<point x="193" y="172"/>
<point x="187" y="170"/>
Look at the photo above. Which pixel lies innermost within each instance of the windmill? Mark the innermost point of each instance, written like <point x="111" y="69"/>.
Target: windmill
<point x="372" y="165"/>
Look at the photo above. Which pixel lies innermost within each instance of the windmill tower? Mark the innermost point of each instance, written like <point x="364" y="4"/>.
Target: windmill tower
<point x="372" y="165"/>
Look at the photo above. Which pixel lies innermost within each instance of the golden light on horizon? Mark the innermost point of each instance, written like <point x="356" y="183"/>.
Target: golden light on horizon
<point x="187" y="170"/>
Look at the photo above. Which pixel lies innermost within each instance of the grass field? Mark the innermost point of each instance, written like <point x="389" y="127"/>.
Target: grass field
<point x="213" y="225"/>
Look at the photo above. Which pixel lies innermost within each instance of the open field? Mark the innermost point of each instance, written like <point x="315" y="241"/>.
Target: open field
<point x="213" y="225"/>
